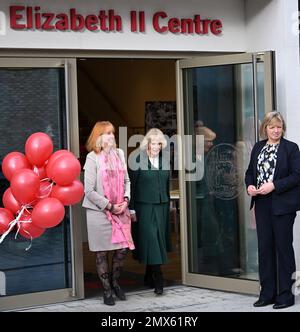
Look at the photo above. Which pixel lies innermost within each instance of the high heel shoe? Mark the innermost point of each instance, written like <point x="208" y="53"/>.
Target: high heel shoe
<point x="120" y="294"/>
<point x="108" y="298"/>
<point x="159" y="290"/>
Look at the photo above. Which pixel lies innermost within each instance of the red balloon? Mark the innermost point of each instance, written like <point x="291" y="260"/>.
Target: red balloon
<point x="40" y="172"/>
<point x="12" y="162"/>
<point x="28" y="229"/>
<point x="48" y="212"/>
<point x="10" y="202"/>
<point x="25" y="185"/>
<point x="69" y="195"/>
<point x="54" y="157"/>
<point x="5" y="218"/>
<point x="65" y="170"/>
<point x="38" y="148"/>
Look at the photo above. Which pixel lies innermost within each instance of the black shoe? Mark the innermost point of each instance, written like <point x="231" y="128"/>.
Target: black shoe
<point x="262" y="303"/>
<point x="108" y="298"/>
<point x="120" y="294"/>
<point x="159" y="290"/>
<point x="283" y="305"/>
<point x="158" y="280"/>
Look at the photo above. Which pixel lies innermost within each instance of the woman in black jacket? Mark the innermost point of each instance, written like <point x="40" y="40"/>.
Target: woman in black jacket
<point x="273" y="181"/>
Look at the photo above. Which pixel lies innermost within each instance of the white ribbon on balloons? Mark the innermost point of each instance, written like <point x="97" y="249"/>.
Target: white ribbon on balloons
<point x="47" y="188"/>
<point x="18" y="221"/>
<point x="13" y="223"/>
<point x="24" y="230"/>
<point x="25" y="207"/>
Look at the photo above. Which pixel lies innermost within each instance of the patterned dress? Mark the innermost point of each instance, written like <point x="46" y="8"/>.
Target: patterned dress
<point x="266" y="164"/>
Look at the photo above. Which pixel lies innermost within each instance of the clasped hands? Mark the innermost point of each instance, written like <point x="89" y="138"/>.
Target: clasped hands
<point x="265" y="189"/>
<point x="119" y="208"/>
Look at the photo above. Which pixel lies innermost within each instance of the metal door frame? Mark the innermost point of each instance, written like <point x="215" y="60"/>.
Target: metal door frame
<point x="193" y="279"/>
<point x="77" y="289"/>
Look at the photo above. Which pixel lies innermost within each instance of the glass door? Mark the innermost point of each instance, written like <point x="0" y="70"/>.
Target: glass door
<point x="39" y="95"/>
<point x="221" y="100"/>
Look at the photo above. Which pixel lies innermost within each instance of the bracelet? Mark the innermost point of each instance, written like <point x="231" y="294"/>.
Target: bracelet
<point x="111" y="208"/>
<point x="126" y="199"/>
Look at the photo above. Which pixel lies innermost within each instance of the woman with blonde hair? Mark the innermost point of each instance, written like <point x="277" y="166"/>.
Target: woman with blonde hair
<point x="107" y="194"/>
<point x="151" y="203"/>
<point x="273" y="182"/>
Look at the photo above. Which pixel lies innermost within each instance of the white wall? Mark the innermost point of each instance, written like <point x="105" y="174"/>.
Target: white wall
<point x="231" y="12"/>
<point x="270" y="25"/>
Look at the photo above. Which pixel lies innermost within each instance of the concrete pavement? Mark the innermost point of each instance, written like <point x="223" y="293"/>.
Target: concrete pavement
<point x="175" y="299"/>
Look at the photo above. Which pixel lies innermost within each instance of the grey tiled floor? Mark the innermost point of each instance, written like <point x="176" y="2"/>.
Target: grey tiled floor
<point x="175" y="299"/>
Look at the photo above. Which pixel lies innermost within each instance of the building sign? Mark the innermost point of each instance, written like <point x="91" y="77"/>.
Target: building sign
<point x="34" y="18"/>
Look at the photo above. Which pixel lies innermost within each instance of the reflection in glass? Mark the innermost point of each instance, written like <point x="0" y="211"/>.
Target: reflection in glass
<point x="31" y="100"/>
<point x="221" y="229"/>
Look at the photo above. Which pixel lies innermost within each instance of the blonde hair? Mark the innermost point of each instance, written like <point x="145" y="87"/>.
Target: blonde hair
<point x="208" y="134"/>
<point x="269" y="117"/>
<point x="94" y="141"/>
<point x="154" y="132"/>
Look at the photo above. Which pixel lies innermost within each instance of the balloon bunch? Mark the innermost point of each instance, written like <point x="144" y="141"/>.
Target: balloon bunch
<point x="41" y="183"/>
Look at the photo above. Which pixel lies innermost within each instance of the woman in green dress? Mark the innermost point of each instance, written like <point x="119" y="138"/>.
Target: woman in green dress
<point x="150" y="201"/>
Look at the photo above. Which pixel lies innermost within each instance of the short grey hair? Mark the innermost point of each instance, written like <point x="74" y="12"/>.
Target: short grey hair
<point x="269" y="117"/>
<point x="153" y="132"/>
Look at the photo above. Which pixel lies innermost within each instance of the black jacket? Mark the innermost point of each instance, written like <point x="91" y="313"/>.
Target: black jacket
<point x="286" y="196"/>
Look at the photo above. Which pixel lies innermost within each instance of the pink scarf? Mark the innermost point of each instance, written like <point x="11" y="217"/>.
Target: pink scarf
<point x="112" y="175"/>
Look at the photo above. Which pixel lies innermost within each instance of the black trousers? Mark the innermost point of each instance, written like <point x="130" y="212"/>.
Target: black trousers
<point x="275" y="251"/>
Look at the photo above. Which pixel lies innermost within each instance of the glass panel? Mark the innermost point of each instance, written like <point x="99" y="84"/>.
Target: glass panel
<point x="221" y="229"/>
<point x="261" y="91"/>
<point x="33" y="100"/>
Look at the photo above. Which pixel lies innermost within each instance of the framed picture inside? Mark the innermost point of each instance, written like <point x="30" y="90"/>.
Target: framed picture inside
<point x="161" y="115"/>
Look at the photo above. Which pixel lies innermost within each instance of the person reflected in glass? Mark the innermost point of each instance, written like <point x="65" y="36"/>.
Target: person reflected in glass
<point x="151" y="203"/>
<point x="107" y="194"/>
<point x="273" y="182"/>
<point x="248" y="243"/>
<point x="207" y="223"/>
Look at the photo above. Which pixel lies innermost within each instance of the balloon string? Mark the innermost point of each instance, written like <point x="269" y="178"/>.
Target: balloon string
<point x="25" y="231"/>
<point x="45" y="179"/>
<point x="19" y="226"/>
<point x="13" y="223"/>
<point x="29" y="244"/>
<point x="48" y="188"/>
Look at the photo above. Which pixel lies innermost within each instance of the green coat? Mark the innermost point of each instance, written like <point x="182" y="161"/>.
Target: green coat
<point x="150" y="199"/>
